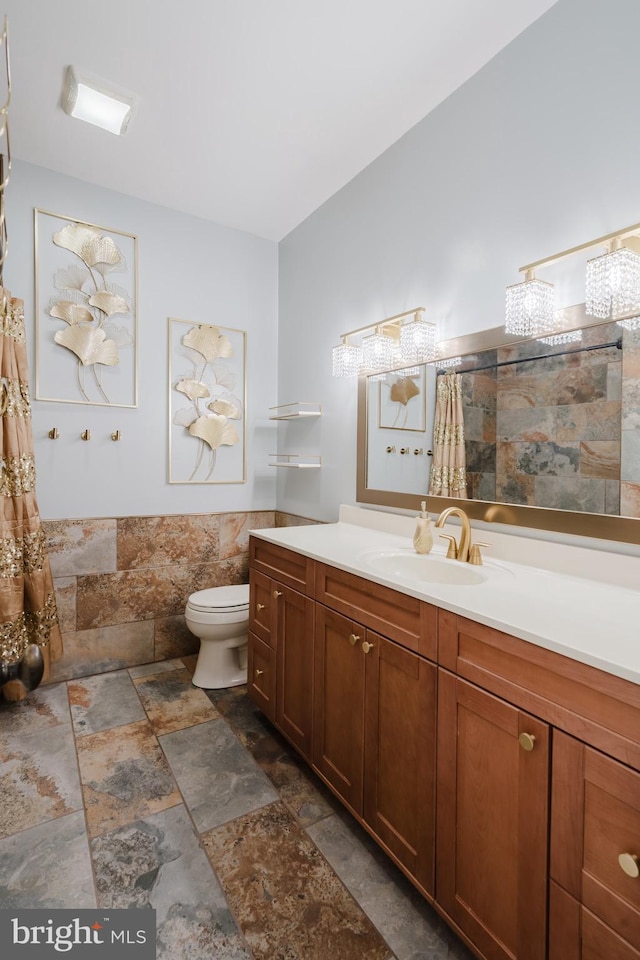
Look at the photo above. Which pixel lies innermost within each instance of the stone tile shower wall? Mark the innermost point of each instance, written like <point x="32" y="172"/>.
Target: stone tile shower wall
<point x="122" y="584"/>
<point x="561" y="432"/>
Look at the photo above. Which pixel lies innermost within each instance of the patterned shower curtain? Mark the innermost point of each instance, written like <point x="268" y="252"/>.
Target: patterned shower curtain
<point x="29" y="633"/>
<point x="448" y="476"/>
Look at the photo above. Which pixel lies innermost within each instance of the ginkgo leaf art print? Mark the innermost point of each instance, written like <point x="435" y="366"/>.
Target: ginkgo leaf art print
<point x="86" y="302"/>
<point x="207" y="402"/>
<point x="402" y="400"/>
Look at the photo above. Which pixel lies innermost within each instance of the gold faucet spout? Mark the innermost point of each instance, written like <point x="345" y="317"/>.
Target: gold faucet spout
<point x="465" y="534"/>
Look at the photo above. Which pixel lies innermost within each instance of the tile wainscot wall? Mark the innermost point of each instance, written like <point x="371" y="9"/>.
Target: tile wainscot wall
<point x="122" y="584"/>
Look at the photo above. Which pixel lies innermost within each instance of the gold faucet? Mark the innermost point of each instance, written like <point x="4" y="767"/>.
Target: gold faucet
<point x="463" y="548"/>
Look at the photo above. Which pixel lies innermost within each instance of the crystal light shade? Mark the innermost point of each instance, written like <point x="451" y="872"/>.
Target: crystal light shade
<point x="632" y="323"/>
<point x="378" y="353"/>
<point x="572" y="336"/>
<point x="530" y="309"/>
<point x="417" y="341"/>
<point x="613" y="284"/>
<point x="450" y="362"/>
<point x="346" y="360"/>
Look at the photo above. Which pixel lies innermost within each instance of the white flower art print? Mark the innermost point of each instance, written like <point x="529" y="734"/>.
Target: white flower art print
<point x="207" y="402"/>
<point x="85" y="312"/>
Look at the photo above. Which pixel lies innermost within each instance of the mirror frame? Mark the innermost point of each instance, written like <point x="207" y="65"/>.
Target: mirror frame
<point x="601" y="526"/>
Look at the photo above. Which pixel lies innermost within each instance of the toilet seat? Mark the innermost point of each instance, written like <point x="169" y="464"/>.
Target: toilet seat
<point x="230" y="599"/>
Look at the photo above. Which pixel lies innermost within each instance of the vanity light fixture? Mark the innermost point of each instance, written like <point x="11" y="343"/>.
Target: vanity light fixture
<point x="388" y="345"/>
<point x="417" y="340"/>
<point x="556" y="339"/>
<point x="530" y="307"/>
<point x="449" y="362"/>
<point x="96" y="101"/>
<point x="613" y="282"/>
<point x="378" y="352"/>
<point x="346" y="359"/>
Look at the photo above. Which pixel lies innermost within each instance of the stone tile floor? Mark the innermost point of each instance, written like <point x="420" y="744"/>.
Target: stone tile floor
<point x="136" y="789"/>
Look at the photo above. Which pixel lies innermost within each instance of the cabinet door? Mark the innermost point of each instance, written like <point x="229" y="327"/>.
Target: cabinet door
<point x="338" y="722"/>
<point x="400" y="701"/>
<point x="294" y="667"/>
<point x="492" y="815"/>
<point x="595" y="845"/>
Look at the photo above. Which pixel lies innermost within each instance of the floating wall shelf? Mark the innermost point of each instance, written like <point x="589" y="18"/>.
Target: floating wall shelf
<point x="299" y="461"/>
<point x="295" y="411"/>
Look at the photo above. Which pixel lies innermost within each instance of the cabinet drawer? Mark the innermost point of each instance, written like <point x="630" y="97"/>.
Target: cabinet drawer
<point x="404" y="619"/>
<point x="601" y="943"/>
<point x="597" y="707"/>
<point x="611" y="829"/>
<point x="261" y="606"/>
<point x="261" y="676"/>
<point x="291" y="568"/>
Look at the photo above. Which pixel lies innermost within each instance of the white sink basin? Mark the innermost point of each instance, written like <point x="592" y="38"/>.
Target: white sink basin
<point x="425" y="568"/>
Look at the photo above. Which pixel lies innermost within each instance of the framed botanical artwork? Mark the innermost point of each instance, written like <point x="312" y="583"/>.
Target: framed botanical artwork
<point x="402" y="404"/>
<point x="86" y="312"/>
<point x="207" y="403"/>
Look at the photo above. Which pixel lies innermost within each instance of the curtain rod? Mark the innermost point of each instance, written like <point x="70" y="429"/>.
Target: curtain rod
<point x="543" y="356"/>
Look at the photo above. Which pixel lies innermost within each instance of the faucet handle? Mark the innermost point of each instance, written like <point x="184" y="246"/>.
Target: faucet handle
<point x="452" y="552"/>
<point x="475" y="556"/>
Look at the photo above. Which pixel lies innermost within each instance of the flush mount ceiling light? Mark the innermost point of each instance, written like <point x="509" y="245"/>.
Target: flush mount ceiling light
<point x="96" y="101"/>
<point x="389" y="345"/>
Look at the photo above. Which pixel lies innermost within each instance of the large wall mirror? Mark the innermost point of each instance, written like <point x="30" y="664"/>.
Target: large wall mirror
<point x="552" y="432"/>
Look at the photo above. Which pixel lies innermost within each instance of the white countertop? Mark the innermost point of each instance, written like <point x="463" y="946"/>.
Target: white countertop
<point x="578" y="616"/>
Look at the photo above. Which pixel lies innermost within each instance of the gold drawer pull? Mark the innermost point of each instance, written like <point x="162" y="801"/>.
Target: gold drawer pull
<point x="276" y="594"/>
<point x="366" y="646"/>
<point x="259" y="607"/>
<point x="353" y="639"/>
<point x="629" y="863"/>
<point x="527" y="741"/>
<point x="259" y="673"/>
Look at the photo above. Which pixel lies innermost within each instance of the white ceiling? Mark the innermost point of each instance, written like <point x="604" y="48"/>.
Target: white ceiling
<point x="252" y="112"/>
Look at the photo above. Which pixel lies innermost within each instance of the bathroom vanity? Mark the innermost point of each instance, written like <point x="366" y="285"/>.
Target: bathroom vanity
<point x="485" y="731"/>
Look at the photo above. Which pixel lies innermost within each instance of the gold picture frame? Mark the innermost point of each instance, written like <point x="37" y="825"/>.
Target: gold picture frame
<point x="207" y="403"/>
<point x="86" y="312"/>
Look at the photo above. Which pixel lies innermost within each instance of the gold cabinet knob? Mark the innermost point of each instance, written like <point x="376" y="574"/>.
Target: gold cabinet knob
<point x="259" y="673"/>
<point x="527" y="741"/>
<point x="353" y="639"/>
<point x="366" y="646"/>
<point x="630" y="865"/>
<point x="259" y="607"/>
<point x="276" y="594"/>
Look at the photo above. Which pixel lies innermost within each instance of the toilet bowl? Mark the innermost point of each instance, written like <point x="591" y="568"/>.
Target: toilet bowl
<point x="219" y="616"/>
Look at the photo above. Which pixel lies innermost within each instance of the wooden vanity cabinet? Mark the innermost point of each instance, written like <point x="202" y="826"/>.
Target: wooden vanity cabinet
<point x="280" y="648"/>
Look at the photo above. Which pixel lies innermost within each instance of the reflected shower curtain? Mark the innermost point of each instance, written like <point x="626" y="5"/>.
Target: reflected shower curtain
<point x="29" y="633"/>
<point x="448" y="471"/>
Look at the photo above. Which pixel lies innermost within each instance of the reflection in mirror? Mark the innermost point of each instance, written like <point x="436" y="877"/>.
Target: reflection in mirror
<point x="547" y="426"/>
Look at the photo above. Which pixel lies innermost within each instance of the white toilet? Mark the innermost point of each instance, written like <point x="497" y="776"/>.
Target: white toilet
<point x="219" y="616"/>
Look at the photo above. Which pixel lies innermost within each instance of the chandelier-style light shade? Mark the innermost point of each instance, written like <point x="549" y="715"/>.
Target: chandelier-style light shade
<point x="530" y="307"/>
<point x="571" y="336"/>
<point x="632" y="323"/>
<point x="449" y="362"/>
<point x="346" y="360"/>
<point x="613" y="283"/>
<point x="378" y="353"/>
<point x="417" y="341"/>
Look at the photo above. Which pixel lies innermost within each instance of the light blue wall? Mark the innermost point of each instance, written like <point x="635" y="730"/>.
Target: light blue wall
<point x="537" y="152"/>
<point x="188" y="268"/>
